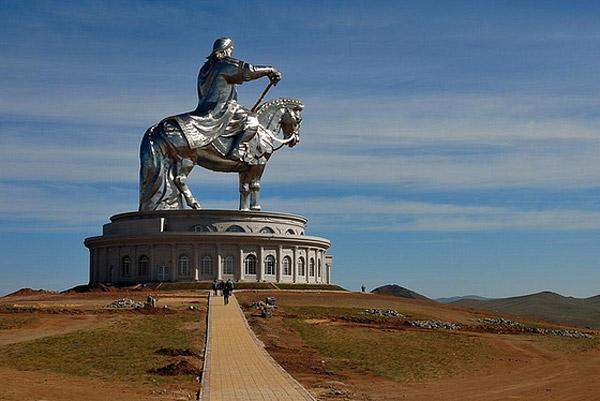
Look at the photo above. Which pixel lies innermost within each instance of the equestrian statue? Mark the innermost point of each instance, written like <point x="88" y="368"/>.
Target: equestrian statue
<point x="220" y="135"/>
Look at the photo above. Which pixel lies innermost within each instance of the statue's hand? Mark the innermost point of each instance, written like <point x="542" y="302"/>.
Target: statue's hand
<point x="275" y="76"/>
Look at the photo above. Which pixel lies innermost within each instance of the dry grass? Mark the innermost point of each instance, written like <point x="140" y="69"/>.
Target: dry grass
<point x="124" y="350"/>
<point x="14" y="322"/>
<point x="401" y="355"/>
<point x="321" y="311"/>
<point x="568" y="345"/>
<point x="326" y="312"/>
<point x="320" y="287"/>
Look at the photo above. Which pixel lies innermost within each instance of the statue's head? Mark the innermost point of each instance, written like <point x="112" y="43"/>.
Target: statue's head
<point x="223" y="47"/>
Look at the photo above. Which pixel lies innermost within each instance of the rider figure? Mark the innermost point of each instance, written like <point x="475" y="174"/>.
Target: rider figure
<point x="217" y="94"/>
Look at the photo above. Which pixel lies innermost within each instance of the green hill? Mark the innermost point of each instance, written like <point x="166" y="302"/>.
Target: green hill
<point x="545" y="305"/>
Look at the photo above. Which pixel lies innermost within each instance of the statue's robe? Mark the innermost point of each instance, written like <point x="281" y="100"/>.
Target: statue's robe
<point x="219" y="120"/>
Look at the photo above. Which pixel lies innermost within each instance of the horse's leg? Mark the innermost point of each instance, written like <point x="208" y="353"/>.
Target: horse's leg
<point x="244" y="191"/>
<point x="256" y="174"/>
<point x="184" y="168"/>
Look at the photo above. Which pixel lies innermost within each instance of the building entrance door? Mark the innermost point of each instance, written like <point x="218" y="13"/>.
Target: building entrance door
<point x="163" y="273"/>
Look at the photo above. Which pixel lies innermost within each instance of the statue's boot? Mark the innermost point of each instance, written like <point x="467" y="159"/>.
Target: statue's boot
<point x="238" y="148"/>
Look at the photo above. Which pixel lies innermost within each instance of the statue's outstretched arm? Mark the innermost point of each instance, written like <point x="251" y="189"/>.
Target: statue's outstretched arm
<point x="248" y="72"/>
<point x="251" y="72"/>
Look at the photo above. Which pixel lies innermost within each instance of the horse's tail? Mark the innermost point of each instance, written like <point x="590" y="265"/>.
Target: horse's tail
<point x="151" y="177"/>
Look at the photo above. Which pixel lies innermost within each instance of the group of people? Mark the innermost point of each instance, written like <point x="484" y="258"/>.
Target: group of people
<point x="226" y="288"/>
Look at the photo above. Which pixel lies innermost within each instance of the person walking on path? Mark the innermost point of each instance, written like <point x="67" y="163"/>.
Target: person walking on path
<point x="229" y="284"/>
<point x="226" y="293"/>
<point x="215" y="287"/>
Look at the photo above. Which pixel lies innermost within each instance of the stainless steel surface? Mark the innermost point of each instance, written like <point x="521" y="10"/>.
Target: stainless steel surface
<point x="220" y="134"/>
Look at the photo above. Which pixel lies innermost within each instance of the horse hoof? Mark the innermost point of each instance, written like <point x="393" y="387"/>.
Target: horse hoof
<point x="256" y="208"/>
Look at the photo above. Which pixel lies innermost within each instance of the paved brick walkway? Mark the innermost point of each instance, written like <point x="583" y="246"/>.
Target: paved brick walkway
<point x="237" y="367"/>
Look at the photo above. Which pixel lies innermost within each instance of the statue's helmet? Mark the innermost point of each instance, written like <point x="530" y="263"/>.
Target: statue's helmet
<point x="222" y="44"/>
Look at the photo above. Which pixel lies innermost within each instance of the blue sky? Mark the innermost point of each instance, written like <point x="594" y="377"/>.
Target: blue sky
<point x="450" y="147"/>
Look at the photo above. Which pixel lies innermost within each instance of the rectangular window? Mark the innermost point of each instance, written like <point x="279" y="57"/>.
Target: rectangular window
<point x="228" y="265"/>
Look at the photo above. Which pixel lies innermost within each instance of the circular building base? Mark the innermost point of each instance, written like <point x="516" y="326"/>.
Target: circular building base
<point x="204" y="245"/>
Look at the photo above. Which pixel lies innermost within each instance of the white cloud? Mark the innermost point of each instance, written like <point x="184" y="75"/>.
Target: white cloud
<point x="383" y="215"/>
<point x="84" y="209"/>
<point x="452" y="118"/>
<point x="396" y="161"/>
<point x="525" y="168"/>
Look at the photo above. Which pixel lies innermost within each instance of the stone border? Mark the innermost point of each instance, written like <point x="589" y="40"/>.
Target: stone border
<point x="210" y="238"/>
<point x="207" y="350"/>
<point x="210" y="212"/>
<point x="307" y="396"/>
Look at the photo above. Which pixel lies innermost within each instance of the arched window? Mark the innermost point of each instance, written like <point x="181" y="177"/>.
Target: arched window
<point x="311" y="267"/>
<point x="318" y="267"/>
<point x="228" y="263"/>
<point x="184" y="265"/>
<point x="126" y="266"/>
<point x="270" y="265"/>
<point x="286" y="264"/>
<point x="235" y="229"/>
<point x="200" y="228"/>
<point x="143" y="263"/>
<point x="267" y="230"/>
<point x="250" y="264"/>
<point x="206" y="266"/>
<point x="301" y="265"/>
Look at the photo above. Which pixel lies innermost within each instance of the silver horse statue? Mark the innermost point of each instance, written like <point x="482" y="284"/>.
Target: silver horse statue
<point x="167" y="158"/>
<point x="220" y="134"/>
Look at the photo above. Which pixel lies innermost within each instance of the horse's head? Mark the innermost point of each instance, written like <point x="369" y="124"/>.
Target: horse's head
<point x="290" y="123"/>
<point x="282" y="114"/>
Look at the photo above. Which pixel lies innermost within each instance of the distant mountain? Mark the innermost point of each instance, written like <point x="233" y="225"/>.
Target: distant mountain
<point x="584" y="312"/>
<point x="454" y="299"/>
<point x="398" y="291"/>
<point x="28" y="291"/>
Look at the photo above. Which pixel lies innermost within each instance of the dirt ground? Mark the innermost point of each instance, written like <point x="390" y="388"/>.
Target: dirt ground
<point x="523" y="367"/>
<point x="37" y="386"/>
<point x="45" y="315"/>
<point x="527" y="372"/>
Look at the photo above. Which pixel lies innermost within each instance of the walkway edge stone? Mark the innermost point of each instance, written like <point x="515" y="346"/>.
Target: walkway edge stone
<point x="204" y="390"/>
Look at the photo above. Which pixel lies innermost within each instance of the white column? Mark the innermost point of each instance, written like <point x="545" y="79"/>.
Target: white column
<point x="241" y="264"/>
<point x="322" y="263"/>
<point x="260" y="266"/>
<point x="219" y="263"/>
<point x="295" y="264"/>
<point x="307" y="267"/>
<point x="278" y="267"/>
<point x="196" y="263"/>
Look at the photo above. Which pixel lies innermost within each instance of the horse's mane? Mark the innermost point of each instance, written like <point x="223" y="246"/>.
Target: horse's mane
<point x="277" y="103"/>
